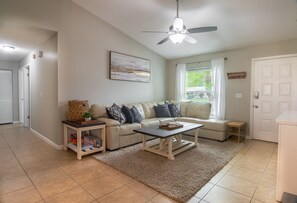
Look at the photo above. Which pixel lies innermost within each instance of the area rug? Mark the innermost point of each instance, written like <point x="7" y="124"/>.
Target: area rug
<point x="179" y="179"/>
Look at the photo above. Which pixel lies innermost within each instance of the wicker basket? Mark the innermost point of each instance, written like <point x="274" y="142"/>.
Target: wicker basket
<point x="76" y="109"/>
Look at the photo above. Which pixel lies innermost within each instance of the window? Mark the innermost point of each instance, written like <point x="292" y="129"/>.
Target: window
<point x="199" y="86"/>
<point x="203" y="83"/>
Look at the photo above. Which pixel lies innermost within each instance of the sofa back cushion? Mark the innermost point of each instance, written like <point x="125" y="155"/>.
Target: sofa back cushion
<point x="198" y="110"/>
<point x="148" y="108"/>
<point x="98" y="111"/>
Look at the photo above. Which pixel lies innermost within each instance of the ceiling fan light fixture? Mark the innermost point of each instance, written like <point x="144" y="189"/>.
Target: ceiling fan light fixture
<point x="177" y="38"/>
<point x="178" y="24"/>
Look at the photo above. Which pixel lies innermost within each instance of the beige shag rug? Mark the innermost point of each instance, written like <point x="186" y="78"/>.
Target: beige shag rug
<point x="179" y="179"/>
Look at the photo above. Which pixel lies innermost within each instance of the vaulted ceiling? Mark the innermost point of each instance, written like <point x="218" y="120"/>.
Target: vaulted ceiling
<point x="24" y="38"/>
<point x="241" y="23"/>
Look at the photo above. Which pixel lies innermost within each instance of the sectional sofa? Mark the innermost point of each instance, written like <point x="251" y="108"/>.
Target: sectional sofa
<point x="121" y="135"/>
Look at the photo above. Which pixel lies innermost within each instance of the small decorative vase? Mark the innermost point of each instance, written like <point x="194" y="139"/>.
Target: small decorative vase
<point x="88" y="119"/>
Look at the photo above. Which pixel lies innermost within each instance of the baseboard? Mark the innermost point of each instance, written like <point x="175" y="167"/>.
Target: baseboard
<point x="58" y="147"/>
<point x="16" y="122"/>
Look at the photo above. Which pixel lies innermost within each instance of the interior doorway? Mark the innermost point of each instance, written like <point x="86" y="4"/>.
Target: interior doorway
<point x="273" y="91"/>
<point x="24" y="95"/>
<point x="6" y="108"/>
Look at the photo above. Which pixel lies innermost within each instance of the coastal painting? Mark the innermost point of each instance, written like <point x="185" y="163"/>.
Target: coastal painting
<point x="129" y="68"/>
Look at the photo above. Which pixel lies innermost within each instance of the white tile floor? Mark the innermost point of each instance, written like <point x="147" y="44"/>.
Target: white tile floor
<point x="33" y="171"/>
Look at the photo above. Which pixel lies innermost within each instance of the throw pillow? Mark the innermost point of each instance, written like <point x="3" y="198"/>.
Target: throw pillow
<point x="114" y="112"/>
<point x="174" y="110"/>
<point x="128" y="114"/>
<point x="136" y="115"/>
<point x="162" y="111"/>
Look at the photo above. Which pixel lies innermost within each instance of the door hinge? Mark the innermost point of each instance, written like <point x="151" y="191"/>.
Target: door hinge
<point x="28" y="74"/>
<point x="28" y="117"/>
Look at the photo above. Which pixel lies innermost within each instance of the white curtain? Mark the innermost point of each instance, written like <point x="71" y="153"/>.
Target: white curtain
<point x="218" y="78"/>
<point x="180" y="88"/>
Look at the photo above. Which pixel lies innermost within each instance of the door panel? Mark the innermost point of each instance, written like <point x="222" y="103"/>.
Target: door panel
<point x="275" y="80"/>
<point x="5" y="96"/>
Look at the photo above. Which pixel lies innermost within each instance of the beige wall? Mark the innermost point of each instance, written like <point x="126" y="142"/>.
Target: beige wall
<point x="83" y="45"/>
<point x="13" y="66"/>
<point x="44" y="88"/>
<point x="238" y="60"/>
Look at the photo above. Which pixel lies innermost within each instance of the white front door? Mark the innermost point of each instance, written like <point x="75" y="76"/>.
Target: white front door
<point x="275" y="91"/>
<point x="5" y="96"/>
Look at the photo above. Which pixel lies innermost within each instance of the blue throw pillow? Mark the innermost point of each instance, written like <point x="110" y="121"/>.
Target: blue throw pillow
<point x="136" y="115"/>
<point x="174" y="110"/>
<point x="128" y="114"/>
<point x="162" y="111"/>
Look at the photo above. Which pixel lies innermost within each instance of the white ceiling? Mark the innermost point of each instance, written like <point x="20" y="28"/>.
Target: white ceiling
<point x="24" y="38"/>
<point x="240" y="23"/>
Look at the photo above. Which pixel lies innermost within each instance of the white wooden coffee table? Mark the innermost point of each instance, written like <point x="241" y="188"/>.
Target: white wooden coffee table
<point x="170" y="141"/>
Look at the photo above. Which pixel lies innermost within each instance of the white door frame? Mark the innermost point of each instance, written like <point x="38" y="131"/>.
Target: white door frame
<point x="252" y="86"/>
<point x="29" y="91"/>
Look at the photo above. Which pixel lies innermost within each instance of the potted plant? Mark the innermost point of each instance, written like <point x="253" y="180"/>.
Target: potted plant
<point x="87" y="116"/>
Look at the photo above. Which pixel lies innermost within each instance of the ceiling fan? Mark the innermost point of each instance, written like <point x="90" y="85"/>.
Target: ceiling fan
<point x="179" y="32"/>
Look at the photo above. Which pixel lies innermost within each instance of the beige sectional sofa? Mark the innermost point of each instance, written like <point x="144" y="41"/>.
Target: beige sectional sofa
<point x="118" y="136"/>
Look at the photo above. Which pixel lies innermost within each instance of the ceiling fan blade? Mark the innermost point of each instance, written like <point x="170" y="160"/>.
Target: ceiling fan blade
<point x="202" y="29"/>
<point x="190" y="39"/>
<point x="163" y="40"/>
<point x="154" y="32"/>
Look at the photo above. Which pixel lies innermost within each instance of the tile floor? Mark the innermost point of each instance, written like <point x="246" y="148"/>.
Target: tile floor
<point x="33" y="171"/>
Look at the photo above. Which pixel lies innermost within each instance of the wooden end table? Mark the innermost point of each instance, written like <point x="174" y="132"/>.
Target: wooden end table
<point x="79" y="128"/>
<point x="236" y="128"/>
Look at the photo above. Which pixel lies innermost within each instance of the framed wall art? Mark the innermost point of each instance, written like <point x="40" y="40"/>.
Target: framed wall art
<point x="129" y="68"/>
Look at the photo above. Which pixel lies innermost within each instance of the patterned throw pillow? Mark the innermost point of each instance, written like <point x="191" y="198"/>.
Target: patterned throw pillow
<point x="128" y="114"/>
<point x="114" y="112"/>
<point x="136" y="115"/>
<point x="174" y="110"/>
<point x="162" y="111"/>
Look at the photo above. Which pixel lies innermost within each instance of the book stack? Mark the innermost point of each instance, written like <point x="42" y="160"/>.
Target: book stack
<point x="93" y="140"/>
<point x="87" y="141"/>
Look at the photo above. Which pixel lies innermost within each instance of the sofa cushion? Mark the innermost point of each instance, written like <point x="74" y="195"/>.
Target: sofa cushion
<point x="136" y="115"/>
<point x="128" y="114"/>
<point x="198" y="110"/>
<point x="209" y="124"/>
<point x="162" y="111"/>
<point x="166" y="120"/>
<point x="174" y="109"/>
<point x="150" y="122"/>
<point x="98" y="111"/>
<point x="127" y="128"/>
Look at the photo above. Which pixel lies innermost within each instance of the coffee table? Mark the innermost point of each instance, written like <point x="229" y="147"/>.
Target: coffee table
<point x="171" y="142"/>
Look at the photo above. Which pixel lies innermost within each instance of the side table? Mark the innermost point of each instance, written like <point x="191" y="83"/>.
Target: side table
<point x="236" y="128"/>
<point x="79" y="128"/>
